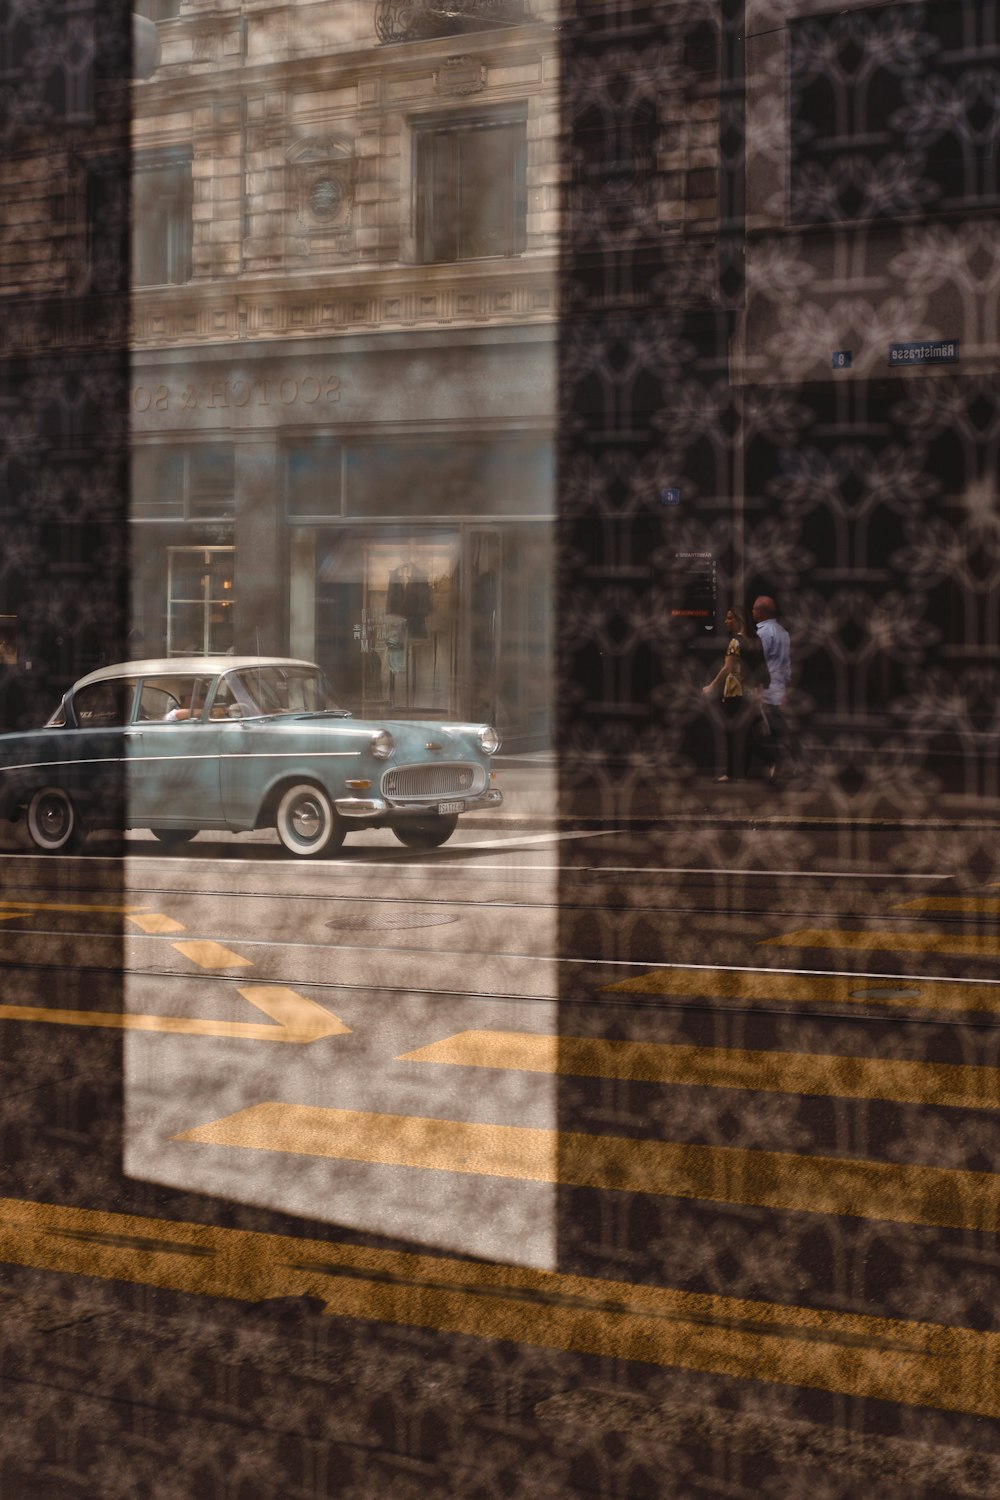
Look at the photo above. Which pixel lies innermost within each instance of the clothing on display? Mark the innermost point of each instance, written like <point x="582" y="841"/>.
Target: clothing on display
<point x="410" y="596"/>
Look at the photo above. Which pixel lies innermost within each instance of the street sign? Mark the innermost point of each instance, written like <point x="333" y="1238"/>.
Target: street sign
<point x="840" y="359"/>
<point x="929" y="352"/>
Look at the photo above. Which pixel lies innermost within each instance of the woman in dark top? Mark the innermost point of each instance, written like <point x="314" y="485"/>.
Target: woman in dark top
<point x="741" y="677"/>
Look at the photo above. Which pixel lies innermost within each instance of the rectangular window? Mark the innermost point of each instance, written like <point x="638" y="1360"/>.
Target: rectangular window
<point x="178" y="481"/>
<point x="108" y="225"/>
<point x="471" y="194"/>
<point x="158" y="10"/>
<point x="313" y="478"/>
<point x="161" y="221"/>
<point x="894" y="111"/>
<point x="200" y="599"/>
<point x="449" y="478"/>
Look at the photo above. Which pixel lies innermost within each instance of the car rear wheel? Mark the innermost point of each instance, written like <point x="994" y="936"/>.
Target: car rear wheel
<point x="174" y="837"/>
<point x="53" y="823"/>
<point x="426" y="833"/>
<point x="307" y="822"/>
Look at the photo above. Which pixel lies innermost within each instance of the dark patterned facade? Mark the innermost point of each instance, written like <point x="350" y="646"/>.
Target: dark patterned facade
<point x="717" y="257"/>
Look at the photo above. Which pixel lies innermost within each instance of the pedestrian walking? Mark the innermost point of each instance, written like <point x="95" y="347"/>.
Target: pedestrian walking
<point x="768" y="738"/>
<point x="739" y="680"/>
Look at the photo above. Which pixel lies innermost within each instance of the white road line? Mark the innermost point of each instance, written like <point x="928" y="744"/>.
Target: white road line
<point x="729" y="870"/>
<point x="648" y="966"/>
<point x="517" y="839"/>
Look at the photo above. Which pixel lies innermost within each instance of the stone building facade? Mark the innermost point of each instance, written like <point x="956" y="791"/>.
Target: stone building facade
<point x="345" y="232"/>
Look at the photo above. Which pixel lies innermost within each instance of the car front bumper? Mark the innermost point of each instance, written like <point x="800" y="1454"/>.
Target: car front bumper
<point x="379" y="807"/>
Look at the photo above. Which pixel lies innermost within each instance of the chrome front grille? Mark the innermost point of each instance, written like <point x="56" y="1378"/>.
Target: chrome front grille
<point x="433" y="781"/>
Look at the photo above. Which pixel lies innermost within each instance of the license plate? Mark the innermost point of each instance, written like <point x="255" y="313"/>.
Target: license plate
<point x="451" y="807"/>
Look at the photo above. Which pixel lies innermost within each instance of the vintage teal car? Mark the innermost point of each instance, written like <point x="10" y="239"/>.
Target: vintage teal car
<point x="237" y="743"/>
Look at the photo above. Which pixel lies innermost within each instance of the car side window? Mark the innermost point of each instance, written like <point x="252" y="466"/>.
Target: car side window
<point x="173" y="700"/>
<point x="224" y="704"/>
<point x="102" y="705"/>
<point x="155" y="703"/>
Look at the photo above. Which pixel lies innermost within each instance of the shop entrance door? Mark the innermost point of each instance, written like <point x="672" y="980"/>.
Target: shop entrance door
<point x="200" y="600"/>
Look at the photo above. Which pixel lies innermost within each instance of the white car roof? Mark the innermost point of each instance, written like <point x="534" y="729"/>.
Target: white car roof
<point x="206" y="666"/>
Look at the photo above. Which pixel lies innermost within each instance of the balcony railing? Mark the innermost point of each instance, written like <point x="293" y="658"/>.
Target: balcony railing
<point x="418" y="20"/>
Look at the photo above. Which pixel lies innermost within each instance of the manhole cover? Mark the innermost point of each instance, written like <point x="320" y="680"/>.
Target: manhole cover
<point x="389" y="920"/>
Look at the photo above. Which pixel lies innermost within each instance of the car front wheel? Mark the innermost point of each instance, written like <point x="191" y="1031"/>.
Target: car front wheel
<point x="426" y="833"/>
<point x="307" y="822"/>
<point x="53" y="824"/>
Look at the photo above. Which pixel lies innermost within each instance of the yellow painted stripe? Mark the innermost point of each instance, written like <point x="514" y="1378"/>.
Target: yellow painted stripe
<point x="985" y="906"/>
<point x="210" y="955"/>
<point x="886" y="1359"/>
<point x="813" y="989"/>
<point x="155" y="921"/>
<point x="965" y="945"/>
<point x="295" y="1019"/>
<point x="770" y="1179"/>
<point x="22" y="906"/>
<point x="720" y="1067"/>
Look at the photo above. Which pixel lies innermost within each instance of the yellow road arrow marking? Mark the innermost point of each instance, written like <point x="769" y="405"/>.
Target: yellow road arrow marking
<point x="886" y="1359"/>
<point x="211" y="955"/>
<point x="296" y="1019"/>
<point x="849" y="1186"/>
<point x="301" y="1019"/>
<point x="829" y="1076"/>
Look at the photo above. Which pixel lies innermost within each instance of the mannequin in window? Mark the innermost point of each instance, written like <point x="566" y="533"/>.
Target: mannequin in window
<point x="410" y="596"/>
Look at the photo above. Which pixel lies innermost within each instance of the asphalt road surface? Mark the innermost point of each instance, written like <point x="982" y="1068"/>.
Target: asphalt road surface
<point x="667" y="1143"/>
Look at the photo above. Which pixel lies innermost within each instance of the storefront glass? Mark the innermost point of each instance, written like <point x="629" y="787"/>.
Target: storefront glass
<point x="429" y="622"/>
<point x="346" y="231"/>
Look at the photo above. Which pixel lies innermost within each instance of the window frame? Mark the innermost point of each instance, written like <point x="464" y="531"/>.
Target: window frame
<point x="179" y="256"/>
<point x="455" y="125"/>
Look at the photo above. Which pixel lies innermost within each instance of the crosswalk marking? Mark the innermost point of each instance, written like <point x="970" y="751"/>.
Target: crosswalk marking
<point x="156" y="922"/>
<point x="964" y="945"/>
<point x="829" y="989"/>
<point x="208" y="954"/>
<point x="830" y="1076"/>
<point x="887" y="1359"/>
<point x="901" y="1193"/>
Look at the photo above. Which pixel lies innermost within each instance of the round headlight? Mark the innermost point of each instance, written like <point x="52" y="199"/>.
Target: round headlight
<point x="382" y="744"/>
<point x="489" y="740"/>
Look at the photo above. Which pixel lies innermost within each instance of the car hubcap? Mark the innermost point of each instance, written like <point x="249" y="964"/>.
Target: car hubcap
<point x="307" y="820"/>
<point x="52" y="818"/>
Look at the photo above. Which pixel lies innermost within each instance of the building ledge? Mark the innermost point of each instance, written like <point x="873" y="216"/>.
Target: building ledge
<point x="256" y="309"/>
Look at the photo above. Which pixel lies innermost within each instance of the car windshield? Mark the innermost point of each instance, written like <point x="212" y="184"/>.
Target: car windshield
<point x="281" y="690"/>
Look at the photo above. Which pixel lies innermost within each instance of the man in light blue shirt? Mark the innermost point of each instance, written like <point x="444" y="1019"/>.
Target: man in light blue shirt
<point x="778" y="655"/>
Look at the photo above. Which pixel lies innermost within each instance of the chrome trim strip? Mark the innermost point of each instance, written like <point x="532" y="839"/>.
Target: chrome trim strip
<point x="304" y="755"/>
<point x="34" y="765"/>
